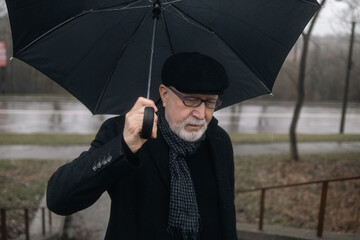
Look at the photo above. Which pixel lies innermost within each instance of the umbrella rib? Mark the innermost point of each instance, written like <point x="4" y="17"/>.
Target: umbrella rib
<point x="136" y="7"/>
<point x="53" y="29"/>
<point x="258" y="31"/>
<point x="120" y="55"/>
<point x="127" y="6"/>
<point x="181" y="15"/>
<point x="167" y="32"/>
<point x="306" y="1"/>
<point x="63" y="23"/>
<point x="246" y="63"/>
<point x="123" y="8"/>
<point x="233" y="50"/>
<point x="171" y="2"/>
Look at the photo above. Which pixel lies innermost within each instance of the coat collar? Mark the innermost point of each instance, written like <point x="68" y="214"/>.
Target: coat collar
<point x="217" y="143"/>
<point x="160" y="152"/>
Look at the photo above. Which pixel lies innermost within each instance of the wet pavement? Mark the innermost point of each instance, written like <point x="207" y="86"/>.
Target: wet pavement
<point x="91" y="223"/>
<point x="71" y="152"/>
<point x="30" y="114"/>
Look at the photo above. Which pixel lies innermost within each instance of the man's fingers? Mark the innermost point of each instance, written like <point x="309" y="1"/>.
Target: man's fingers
<point x="144" y="102"/>
<point x="154" y="129"/>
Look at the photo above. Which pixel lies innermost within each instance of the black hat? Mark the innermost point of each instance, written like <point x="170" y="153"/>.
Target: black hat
<point x="192" y="72"/>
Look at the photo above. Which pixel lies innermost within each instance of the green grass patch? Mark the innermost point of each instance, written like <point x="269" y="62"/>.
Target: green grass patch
<point x="46" y="139"/>
<point x="23" y="182"/>
<point x="273" y="138"/>
<point x="85" y="139"/>
<point x="22" y="185"/>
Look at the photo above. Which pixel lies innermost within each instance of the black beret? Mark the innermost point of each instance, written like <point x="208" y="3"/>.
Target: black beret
<point x="192" y="72"/>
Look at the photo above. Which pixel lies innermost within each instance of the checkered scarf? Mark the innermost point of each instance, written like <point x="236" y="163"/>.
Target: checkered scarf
<point x="184" y="214"/>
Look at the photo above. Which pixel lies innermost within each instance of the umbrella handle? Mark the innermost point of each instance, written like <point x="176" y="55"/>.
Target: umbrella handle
<point x="148" y="121"/>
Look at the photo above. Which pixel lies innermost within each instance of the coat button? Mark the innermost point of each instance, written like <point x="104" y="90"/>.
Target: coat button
<point x="104" y="161"/>
<point x="94" y="168"/>
<point x="99" y="165"/>
<point x="108" y="159"/>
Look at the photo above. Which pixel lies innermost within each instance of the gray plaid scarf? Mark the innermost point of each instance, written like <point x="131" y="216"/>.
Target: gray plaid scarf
<point x="184" y="217"/>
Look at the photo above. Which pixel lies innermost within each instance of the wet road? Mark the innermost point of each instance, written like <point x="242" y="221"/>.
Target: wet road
<point x="67" y="115"/>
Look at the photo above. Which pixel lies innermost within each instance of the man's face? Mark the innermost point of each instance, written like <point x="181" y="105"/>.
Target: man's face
<point x="189" y="123"/>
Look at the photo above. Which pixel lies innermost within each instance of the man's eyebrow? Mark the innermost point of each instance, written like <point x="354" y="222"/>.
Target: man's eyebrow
<point x="205" y="98"/>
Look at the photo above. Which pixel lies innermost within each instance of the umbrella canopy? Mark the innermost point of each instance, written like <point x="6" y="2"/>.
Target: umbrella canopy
<point x="99" y="50"/>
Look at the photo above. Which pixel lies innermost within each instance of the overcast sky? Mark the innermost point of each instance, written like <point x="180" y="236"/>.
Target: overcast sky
<point x="329" y="22"/>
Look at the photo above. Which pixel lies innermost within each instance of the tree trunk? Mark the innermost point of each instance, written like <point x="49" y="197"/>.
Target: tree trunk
<point x="300" y="99"/>
<point x="294" y="155"/>
<point x="347" y="78"/>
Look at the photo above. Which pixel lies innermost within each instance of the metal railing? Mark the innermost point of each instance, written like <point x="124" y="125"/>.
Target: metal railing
<point x="26" y="220"/>
<point x="322" y="208"/>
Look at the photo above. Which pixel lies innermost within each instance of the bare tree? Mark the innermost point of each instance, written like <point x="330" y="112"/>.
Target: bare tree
<point x="301" y="83"/>
<point x="353" y="11"/>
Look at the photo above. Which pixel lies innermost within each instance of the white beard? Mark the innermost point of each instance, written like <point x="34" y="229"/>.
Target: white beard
<point x="179" y="129"/>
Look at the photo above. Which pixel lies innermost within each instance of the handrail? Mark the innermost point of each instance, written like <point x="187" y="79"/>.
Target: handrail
<point x="297" y="184"/>
<point x="26" y="219"/>
<point x="325" y="183"/>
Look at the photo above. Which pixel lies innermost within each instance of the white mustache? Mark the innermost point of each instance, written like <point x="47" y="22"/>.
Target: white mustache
<point x="194" y="121"/>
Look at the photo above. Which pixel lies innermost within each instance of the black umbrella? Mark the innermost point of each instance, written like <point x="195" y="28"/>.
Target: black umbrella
<point x="99" y="50"/>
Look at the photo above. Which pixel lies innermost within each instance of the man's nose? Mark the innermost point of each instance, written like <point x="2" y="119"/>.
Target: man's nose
<point x="199" y="112"/>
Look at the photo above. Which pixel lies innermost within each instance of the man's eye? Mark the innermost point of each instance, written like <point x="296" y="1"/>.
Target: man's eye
<point x="192" y="99"/>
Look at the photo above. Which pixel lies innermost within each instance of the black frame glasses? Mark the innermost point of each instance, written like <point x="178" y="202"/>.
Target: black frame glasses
<point x="190" y="101"/>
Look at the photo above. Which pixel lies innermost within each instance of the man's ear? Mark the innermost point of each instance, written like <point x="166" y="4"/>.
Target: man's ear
<point x="164" y="93"/>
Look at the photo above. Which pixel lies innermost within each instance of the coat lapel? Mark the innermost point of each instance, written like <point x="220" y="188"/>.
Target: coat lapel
<point x="220" y="166"/>
<point x="159" y="152"/>
<point x="222" y="171"/>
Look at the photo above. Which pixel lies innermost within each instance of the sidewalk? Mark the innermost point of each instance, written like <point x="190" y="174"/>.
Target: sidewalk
<point x="71" y="152"/>
<point x="91" y="223"/>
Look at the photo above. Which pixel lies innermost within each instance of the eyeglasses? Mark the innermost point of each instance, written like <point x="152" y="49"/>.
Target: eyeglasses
<point x="188" y="101"/>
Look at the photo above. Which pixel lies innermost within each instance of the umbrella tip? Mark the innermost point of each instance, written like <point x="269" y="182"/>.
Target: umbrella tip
<point x="271" y="94"/>
<point x="11" y="58"/>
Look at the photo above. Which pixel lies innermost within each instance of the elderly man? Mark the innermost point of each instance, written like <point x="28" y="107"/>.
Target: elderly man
<point x="177" y="185"/>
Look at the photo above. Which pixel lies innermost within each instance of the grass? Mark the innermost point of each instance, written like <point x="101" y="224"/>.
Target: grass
<point x="22" y="185"/>
<point x="78" y="139"/>
<point x="46" y="139"/>
<point x="22" y="182"/>
<point x="299" y="206"/>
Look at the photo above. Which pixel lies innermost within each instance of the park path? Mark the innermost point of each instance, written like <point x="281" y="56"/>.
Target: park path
<point x="70" y="152"/>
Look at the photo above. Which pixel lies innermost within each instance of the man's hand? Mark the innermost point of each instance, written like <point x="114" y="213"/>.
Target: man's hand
<point x="133" y="124"/>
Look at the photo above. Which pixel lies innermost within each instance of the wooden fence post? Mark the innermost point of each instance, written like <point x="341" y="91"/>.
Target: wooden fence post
<point x="262" y="204"/>
<point x="27" y="231"/>
<point x="322" y="209"/>
<point x="3" y="225"/>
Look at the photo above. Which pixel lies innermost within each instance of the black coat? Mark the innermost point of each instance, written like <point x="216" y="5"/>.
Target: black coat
<point x="139" y="190"/>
